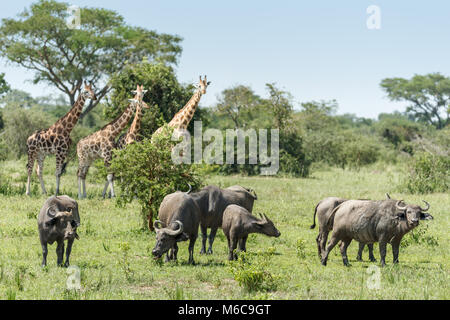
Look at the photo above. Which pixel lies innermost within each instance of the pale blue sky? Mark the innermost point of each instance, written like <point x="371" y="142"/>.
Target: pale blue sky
<point x="314" y="49"/>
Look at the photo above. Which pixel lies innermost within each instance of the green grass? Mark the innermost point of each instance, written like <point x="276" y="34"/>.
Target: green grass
<point x="114" y="253"/>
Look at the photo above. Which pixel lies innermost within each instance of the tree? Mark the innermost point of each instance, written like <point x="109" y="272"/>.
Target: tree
<point x="15" y="99"/>
<point x="40" y="40"/>
<point x="429" y="96"/>
<point x="4" y="86"/>
<point x="145" y="171"/>
<point x="237" y="103"/>
<point x="165" y="96"/>
<point x="280" y="103"/>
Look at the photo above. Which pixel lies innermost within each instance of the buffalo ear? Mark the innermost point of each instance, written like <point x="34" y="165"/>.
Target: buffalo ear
<point x="182" y="237"/>
<point x="426" y="216"/>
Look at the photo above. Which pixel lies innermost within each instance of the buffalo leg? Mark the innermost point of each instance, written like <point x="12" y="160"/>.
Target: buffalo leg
<point x="371" y="256"/>
<point x="395" y="249"/>
<point x="360" y="251"/>
<point x="191" y="249"/>
<point x="344" y="245"/>
<point x="175" y="251"/>
<point x="60" y="253"/>
<point x="212" y="235"/>
<point x="319" y="249"/>
<point x="68" y="251"/>
<point x="383" y="253"/>
<point x="44" y="254"/>
<point x="242" y="244"/>
<point x="323" y="241"/>
<point x="204" y="236"/>
<point x="231" y="249"/>
<point x="333" y="241"/>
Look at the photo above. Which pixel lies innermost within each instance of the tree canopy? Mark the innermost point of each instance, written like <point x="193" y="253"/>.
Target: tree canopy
<point x="165" y="96"/>
<point x="428" y="95"/>
<point x="4" y="87"/>
<point x="40" y="40"/>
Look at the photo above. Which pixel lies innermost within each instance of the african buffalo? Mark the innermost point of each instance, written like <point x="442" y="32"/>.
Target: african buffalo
<point x="58" y="220"/>
<point x="323" y="210"/>
<point x="238" y="223"/>
<point x="366" y="221"/>
<point x="212" y="202"/>
<point x="179" y="218"/>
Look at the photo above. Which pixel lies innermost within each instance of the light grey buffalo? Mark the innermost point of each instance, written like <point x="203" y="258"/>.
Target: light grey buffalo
<point x="179" y="218"/>
<point x="324" y="210"/>
<point x="238" y="223"/>
<point x="58" y="220"/>
<point x="212" y="202"/>
<point x="368" y="221"/>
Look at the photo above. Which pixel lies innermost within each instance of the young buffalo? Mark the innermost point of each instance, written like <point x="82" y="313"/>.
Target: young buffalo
<point x="238" y="223"/>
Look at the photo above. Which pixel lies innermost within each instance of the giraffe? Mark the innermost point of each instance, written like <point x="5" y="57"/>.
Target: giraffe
<point x="184" y="116"/>
<point x="132" y="134"/>
<point x="55" y="140"/>
<point x="100" y="145"/>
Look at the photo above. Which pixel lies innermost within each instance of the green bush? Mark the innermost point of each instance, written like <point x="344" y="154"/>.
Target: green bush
<point x="19" y="125"/>
<point x="145" y="171"/>
<point x="428" y="173"/>
<point x="250" y="272"/>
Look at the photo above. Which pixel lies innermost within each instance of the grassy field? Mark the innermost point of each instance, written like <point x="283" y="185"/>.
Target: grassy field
<point x="114" y="252"/>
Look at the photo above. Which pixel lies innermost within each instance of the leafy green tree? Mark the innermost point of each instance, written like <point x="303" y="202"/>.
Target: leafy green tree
<point x="145" y="171"/>
<point x="4" y="86"/>
<point x="280" y="104"/>
<point x="428" y="95"/>
<point x="41" y="41"/>
<point x="165" y="96"/>
<point x="238" y="103"/>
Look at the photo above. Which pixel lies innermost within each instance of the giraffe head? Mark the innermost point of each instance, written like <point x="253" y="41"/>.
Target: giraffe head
<point x="203" y="84"/>
<point x="87" y="91"/>
<point x="139" y="95"/>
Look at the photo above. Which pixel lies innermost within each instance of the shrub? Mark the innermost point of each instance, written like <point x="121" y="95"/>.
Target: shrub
<point x="428" y="173"/>
<point x="145" y="171"/>
<point x="251" y="273"/>
<point x="19" y="125"/>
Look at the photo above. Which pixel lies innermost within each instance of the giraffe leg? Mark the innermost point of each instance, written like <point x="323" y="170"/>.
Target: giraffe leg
<point x="40" y="171"/>
<point x="60" y="158"/>
<point x="81" y="173"/>
<point x="110" y="177"/>
<point x="30" y="165"/>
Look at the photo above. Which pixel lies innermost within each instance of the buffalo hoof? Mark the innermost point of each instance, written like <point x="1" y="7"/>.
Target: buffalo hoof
<point x="66" y="264"/>
<point x="358" y="258"/>
<point x="373" y="260"/>
<point x="209" y="251"/>
<point x="324" y="263"/>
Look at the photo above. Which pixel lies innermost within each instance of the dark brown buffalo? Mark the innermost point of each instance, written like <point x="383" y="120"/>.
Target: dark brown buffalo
<point x="58" y="220"/>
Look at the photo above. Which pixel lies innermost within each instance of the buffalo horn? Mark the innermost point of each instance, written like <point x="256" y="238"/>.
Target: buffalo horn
<point x="428" y="206"/>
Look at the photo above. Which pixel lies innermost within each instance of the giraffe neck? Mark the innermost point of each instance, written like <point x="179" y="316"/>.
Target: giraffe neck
<point x="117" y="125"/>
<point x="184" y="116"/>
<point x="70" y="119"/>
<point x="136" y="125"/>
